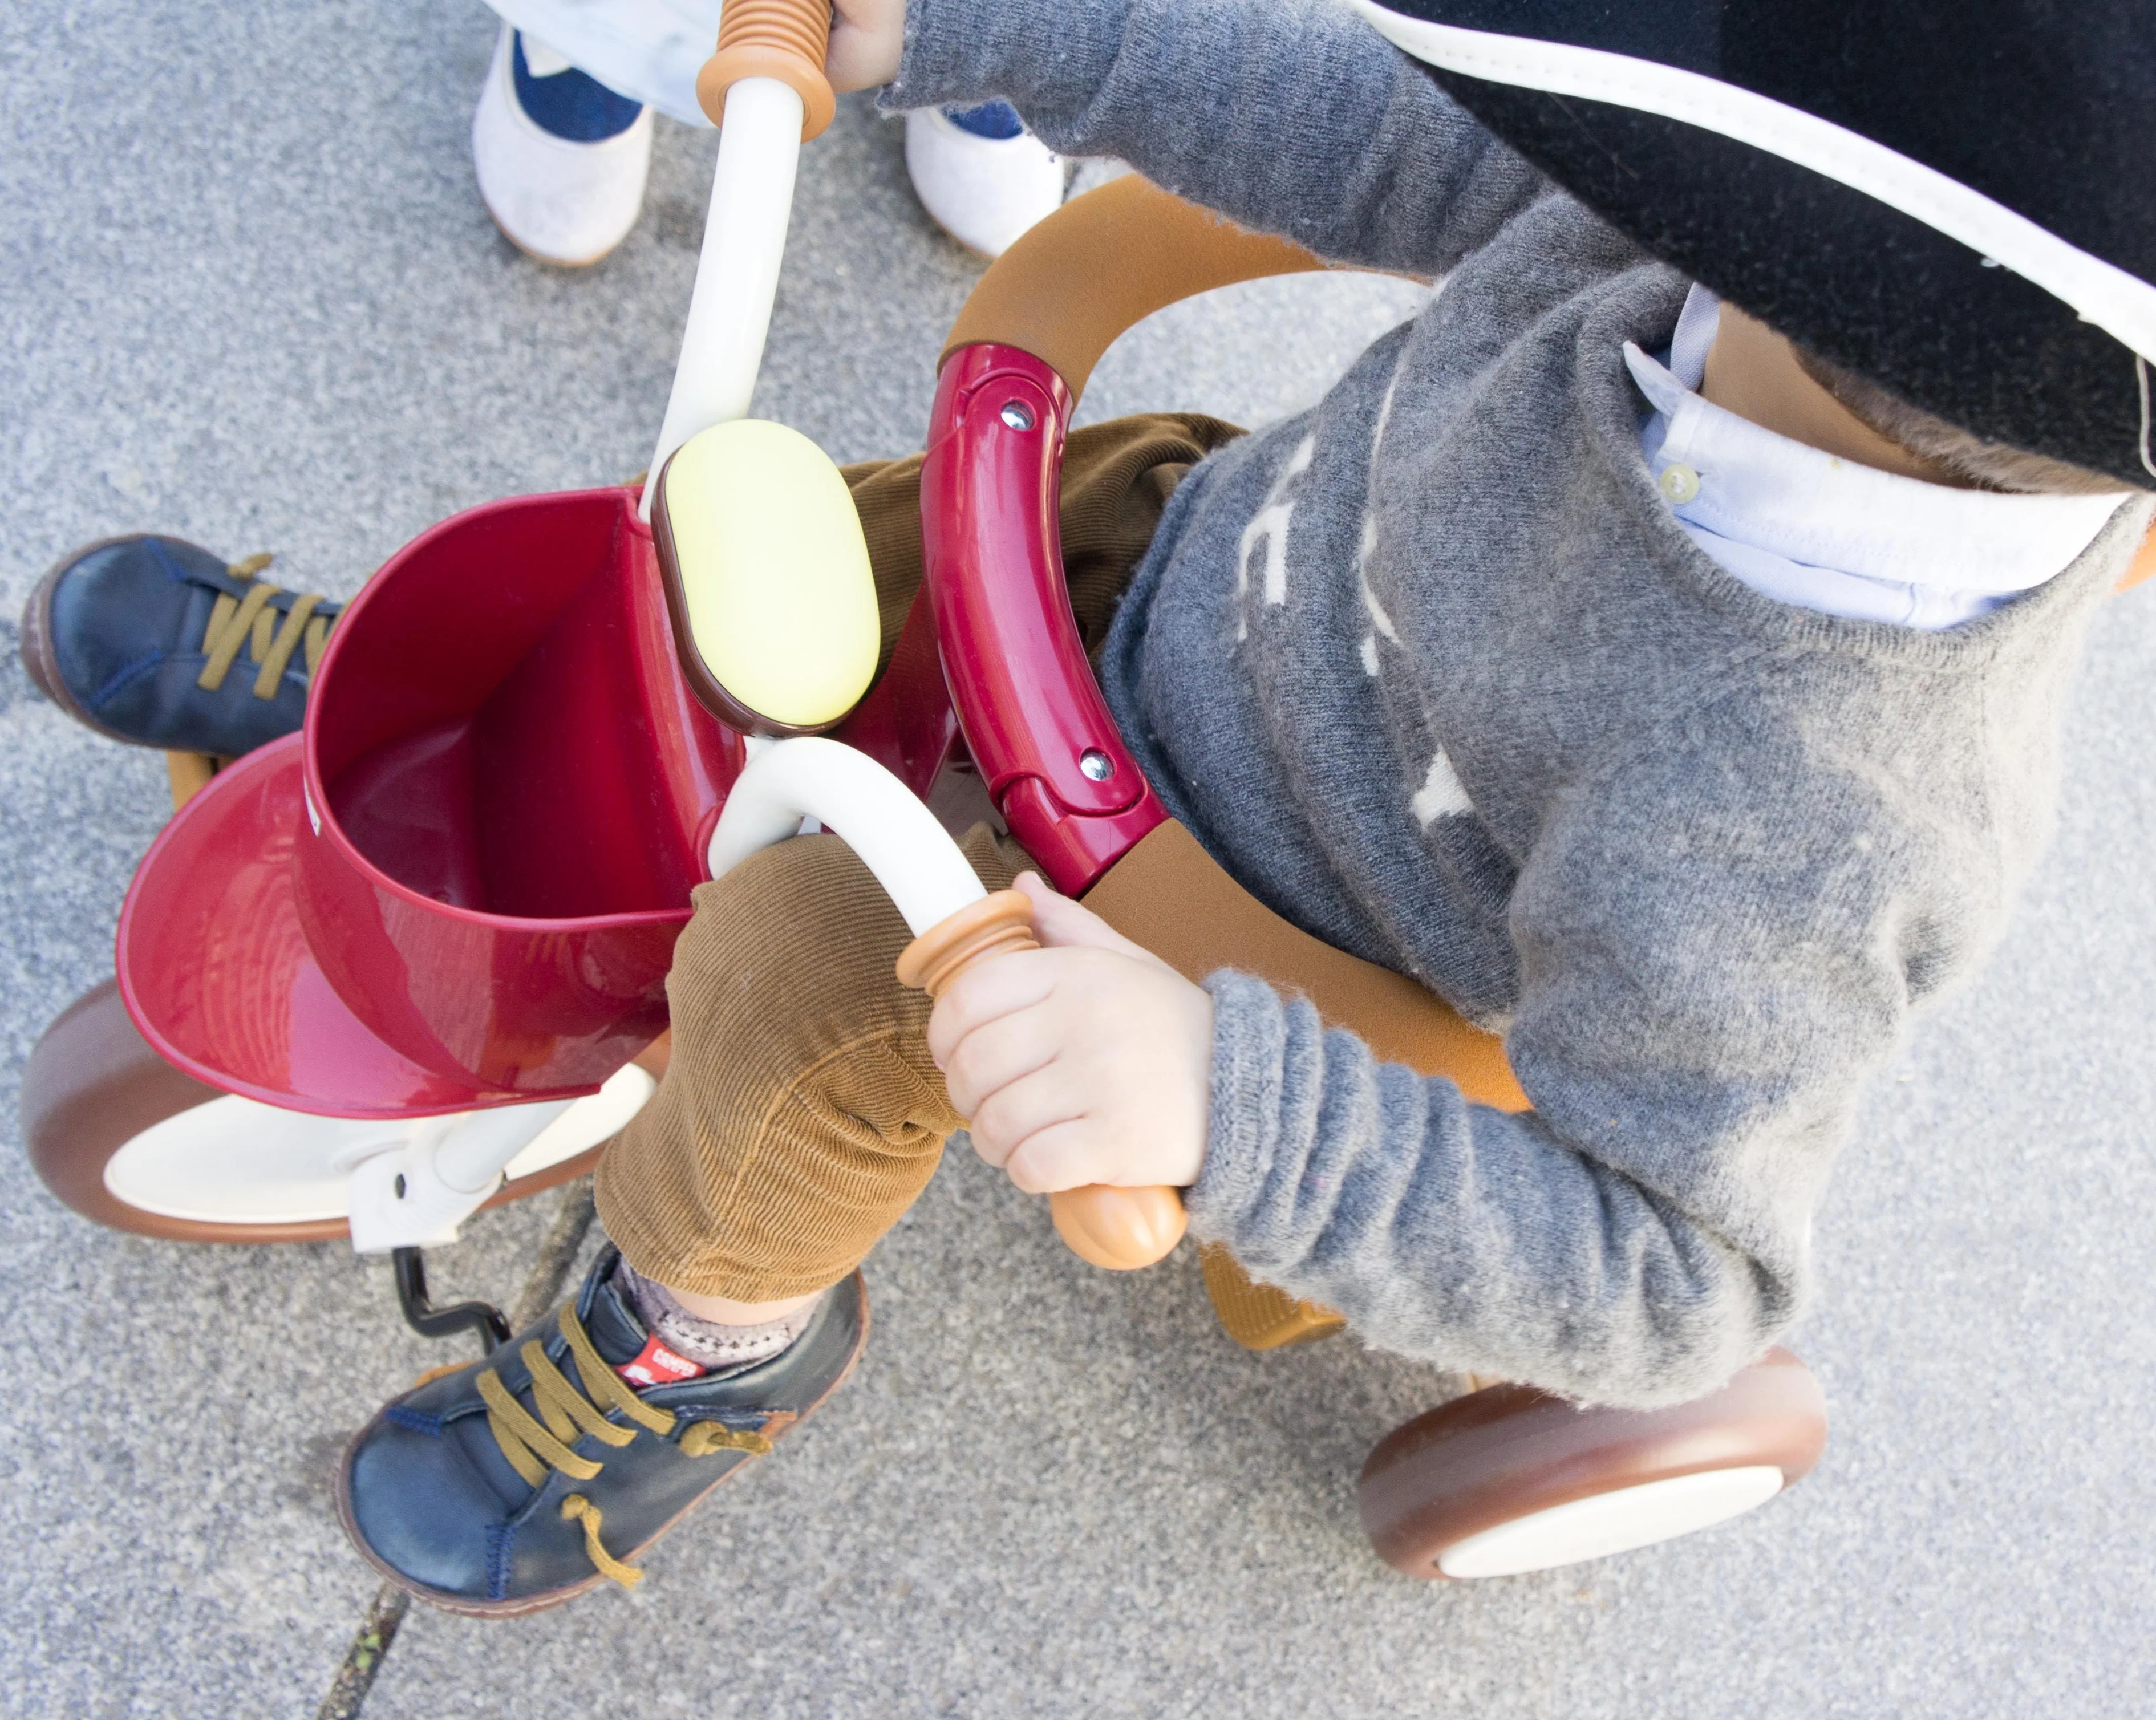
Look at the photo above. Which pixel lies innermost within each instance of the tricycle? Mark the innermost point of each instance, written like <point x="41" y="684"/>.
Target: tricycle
<point x="411" y="961"/>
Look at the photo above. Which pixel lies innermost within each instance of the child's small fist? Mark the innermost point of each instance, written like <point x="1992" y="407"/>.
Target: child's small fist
<point x="1088" y="1061"/>
<point x="867" y="38"/>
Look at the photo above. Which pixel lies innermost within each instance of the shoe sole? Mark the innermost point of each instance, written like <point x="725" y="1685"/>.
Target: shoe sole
<point x="41" y="662"/>
<point x="502" y="228"/>
<point x="539" y="1603"/>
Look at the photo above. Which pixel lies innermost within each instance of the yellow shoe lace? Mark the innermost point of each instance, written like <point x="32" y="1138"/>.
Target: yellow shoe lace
<point x="532" y="1445"/>
<point x="251" y="621"/>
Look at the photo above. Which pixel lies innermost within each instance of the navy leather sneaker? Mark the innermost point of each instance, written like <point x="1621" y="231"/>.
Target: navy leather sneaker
<point x="521" y="1482"/>
<point x="157" y="642"/>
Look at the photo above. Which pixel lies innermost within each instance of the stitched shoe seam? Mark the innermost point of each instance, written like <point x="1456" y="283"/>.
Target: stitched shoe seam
<point x="173" y="570"/>
<point x="499" y="1539"/>
<point x="125" y="675"/>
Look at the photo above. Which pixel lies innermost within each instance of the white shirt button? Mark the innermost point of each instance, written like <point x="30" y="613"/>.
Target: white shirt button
<point x="1679" y="483"/>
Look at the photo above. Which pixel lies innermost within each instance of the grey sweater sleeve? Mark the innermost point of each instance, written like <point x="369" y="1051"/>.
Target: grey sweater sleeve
<point x="1702" y="998"/>
<point x="1292" y="117"/>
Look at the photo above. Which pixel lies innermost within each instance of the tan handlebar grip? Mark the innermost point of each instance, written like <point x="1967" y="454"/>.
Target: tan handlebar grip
<point x="1118" y="1228"/>
<point x="1105" y="262"/>
<point x="785" y="39"/>
<point x="997" y="925"/>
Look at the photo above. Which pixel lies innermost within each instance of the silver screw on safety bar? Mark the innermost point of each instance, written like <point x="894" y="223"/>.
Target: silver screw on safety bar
<point x="1018" y="415"/>
<point x="1097" y="765"/>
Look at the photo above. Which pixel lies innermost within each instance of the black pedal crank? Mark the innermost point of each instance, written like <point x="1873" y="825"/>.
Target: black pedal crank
<point x="423" y="1318"/>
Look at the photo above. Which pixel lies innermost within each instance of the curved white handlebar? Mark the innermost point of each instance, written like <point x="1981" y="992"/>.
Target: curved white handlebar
<point x="879" y="817"/>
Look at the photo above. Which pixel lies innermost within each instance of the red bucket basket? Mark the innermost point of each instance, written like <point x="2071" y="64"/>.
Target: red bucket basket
<point x="462" y="884"/>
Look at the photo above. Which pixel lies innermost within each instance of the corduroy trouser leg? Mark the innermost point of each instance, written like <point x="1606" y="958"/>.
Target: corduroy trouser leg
<point x="801" y="1113"/>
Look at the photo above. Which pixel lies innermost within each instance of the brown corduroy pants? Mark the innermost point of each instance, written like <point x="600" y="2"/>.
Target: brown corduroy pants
<point x="801" y="1113"/>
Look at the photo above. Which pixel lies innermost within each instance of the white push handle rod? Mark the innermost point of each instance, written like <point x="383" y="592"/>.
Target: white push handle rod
<point x="737" y="269"/>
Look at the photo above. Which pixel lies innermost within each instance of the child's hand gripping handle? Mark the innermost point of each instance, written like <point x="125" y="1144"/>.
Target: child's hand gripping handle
<point x="783" y="39"/>
<point x="1120" y="1229"/>
<point x="955" y="926"/>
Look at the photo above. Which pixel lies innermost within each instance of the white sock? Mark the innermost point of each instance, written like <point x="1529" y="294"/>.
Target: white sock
<point x="708" y="1344"/>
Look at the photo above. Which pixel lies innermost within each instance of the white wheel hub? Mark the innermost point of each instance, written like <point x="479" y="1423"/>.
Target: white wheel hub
<point x="1617" y="1522"/>
<point x="235" y="1161"/>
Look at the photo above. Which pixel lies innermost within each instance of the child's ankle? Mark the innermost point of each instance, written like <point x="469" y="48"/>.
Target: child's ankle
<point x="725" y="1311"/>
<point x="686" y="1341"/>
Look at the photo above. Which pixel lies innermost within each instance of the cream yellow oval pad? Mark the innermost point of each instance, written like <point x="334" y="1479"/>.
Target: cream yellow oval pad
<point x="768" y="579"/>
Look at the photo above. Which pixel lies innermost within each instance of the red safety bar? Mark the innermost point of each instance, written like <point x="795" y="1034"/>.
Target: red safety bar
<point x="1047" y="747"/>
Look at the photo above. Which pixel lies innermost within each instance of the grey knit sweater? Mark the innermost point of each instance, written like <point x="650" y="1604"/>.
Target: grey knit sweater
<point x="1432" y="670"/>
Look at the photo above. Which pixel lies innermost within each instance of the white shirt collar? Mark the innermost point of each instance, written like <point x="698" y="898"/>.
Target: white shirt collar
<point x="1809" y="527"/>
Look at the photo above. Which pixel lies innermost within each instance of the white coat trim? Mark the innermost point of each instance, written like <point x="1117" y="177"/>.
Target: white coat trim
<point x="2118" y="303"/>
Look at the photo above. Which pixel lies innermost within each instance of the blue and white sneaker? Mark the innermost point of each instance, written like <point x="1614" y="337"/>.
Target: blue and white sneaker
<point x="562" y="159"/>
<point x="983" y="177"/>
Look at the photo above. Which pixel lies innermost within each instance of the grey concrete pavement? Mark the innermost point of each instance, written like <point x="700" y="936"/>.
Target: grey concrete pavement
<point x="249" y="295"/>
